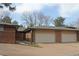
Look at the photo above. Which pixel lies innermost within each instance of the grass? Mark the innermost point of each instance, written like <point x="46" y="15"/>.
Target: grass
<point x="35" y="45"/>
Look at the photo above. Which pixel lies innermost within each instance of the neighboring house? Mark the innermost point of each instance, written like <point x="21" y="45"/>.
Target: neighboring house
<point x="20" y="34"/>
<point x="54" y="34"/>
<point x="7" y="33"/>
<point x="28" y="35"/>
<point x="10" y="33"/>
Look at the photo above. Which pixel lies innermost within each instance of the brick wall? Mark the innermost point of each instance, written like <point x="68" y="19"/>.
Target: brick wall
<point x="7" y="35"/>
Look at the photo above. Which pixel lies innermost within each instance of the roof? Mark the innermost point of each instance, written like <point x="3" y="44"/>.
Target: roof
<point x="7" y="24"/>
<point x="55" y="28"/>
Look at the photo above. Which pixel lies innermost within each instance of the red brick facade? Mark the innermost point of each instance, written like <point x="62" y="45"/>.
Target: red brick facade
<point x="8" y="34"/>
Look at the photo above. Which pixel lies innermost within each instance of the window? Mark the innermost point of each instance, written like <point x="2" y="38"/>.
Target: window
<point x="1" y="28"/>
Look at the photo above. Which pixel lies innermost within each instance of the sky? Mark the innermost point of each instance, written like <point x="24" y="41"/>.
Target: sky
<point x="69" y="11"/>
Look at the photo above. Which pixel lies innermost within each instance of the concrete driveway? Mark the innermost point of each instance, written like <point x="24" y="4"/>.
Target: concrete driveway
<point x="64" y="49"/>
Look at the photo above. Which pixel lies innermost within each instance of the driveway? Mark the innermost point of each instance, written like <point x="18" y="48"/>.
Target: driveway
<point x="64" y="49"/>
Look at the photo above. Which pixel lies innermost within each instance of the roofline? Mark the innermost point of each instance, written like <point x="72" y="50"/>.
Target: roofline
<point x="7" y="24"/>
<point x="54" y="28"/>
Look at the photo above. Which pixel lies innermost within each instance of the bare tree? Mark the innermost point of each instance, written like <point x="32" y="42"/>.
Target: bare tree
<point x="28" y="18"/>
<point x="40" y="18"/>
<point x="36" y="19"/>
<point x="47" y="20"/>
<point x="76" y="23"/>
<point x="34" y="14"/>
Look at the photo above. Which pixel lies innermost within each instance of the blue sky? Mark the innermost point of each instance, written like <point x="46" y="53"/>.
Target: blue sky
<point x="69" y="11"/>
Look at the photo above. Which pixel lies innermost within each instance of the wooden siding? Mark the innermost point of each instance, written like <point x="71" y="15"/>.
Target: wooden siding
<point x="20" y="35"/>
<point x="28" y="36"/>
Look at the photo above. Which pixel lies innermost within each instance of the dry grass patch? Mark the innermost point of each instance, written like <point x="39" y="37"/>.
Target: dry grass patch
<point x="35" y="45"/>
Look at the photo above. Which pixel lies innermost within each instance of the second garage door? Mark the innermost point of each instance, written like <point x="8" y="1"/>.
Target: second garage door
<point x="44" y="36"/>
<point x="69" y="36"/>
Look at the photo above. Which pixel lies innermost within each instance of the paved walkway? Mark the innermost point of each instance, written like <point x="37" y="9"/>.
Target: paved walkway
<point x="66" y="49"/>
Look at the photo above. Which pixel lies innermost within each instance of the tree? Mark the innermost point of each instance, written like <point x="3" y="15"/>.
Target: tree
<point x="47" y="20"/>
<point x="76" y="23"/>
<point x="36" y="19"/>
<point x="15" y="22"/>
<point x="5" y="14"/>
<point x="8" y="5"/>
<point x="31" y="19"/>
<point x="28" y="17"/>
<point x="6" y="19"/>
<point x="40" y="18"/>
<point x="59" y="21"/>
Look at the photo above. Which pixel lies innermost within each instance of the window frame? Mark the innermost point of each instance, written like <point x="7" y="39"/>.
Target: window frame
<point x="1" y="28"/>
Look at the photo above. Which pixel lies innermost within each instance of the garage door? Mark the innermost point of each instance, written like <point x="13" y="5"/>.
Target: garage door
<point x="44" y="36"/>
<point x="69" y="36"/>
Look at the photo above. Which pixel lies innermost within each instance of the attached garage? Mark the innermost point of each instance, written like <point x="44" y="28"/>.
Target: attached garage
<point x="44" y="36"/>
<point x="69" y="36"/>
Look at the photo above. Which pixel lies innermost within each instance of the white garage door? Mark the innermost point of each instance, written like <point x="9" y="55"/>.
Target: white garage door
<point x="69" y="37"/>
<point x="44" y="36"/>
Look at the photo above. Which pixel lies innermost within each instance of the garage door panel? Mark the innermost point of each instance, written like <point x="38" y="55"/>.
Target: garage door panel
<point x="43" y="36"/>
<point x="69" y="37"/>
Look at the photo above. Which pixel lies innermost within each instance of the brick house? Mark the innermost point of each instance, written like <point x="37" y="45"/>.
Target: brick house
<point x="7" y="33"/>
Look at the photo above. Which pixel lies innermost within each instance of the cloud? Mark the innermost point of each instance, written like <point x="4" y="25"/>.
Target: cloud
<point x="28" y="7"/>
<point x="67" y="10"/>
